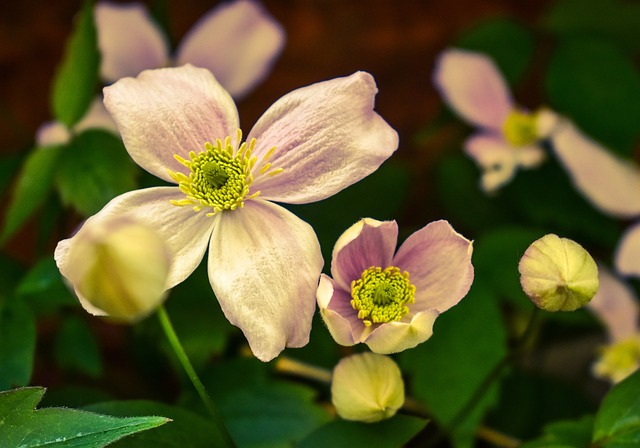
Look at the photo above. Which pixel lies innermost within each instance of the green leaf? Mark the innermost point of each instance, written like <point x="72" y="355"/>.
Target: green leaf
<point x="185" y="430"/>
<point x="17" y="344"/>
<point x="598" y="85"/>
<point x="32" y="187"/>
<point x="390" y="433"/>
<point x="95" y="169"/>
<point x="468" y="342"/>
<point x="8" y="167"/>
<point x="565" y="434"/>
<point x="26" y="427"/>
<point x="76" y="349"/>
<point x="77" y="75"/>
<point x="491" y="36"/>
<point x="43" y="288"/>
<point x="617" y="422"/>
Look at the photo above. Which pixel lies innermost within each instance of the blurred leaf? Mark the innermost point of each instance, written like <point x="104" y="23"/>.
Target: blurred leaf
<point x="76" y="348"/>
<point x="617" y="19"/>
<point x="8" y="166"/>
<point x="467" y="343"/>
<point x="95" y="169"/>
<point x="186" y="429"/>
<point x="617" y="422"/>
<point x="23" y="426"/>
<point x="76" y="77"/>
<point x="43" y="288"/>
<point x="490" y="37"/>
<point x="321" y="351"/>
<point x="32" y="187"/>
<point x="17" y="344"/>
<point x="565" y="434"/>
<point x="10" y="273"/>
<point x="598" y="85"/>
<point x="390" y="433"/>
<point x="73" y="396"/>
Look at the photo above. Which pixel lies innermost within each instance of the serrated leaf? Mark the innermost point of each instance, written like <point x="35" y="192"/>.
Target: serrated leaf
<point x="597" y="84"/>
<point x="565" y="434"/>
<point x="617" y="422"/>
<point x="32" y="187"/>
<point x="25" y="427"/>
<point x="76" y="77"/>
<point x="95" y="169"/>
<point x="390" y="433"/>
<point x="76" y="349"/>
<point x="17" y="344"/>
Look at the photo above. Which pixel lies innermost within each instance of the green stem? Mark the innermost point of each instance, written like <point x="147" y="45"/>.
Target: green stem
<point x="170" y="332"/>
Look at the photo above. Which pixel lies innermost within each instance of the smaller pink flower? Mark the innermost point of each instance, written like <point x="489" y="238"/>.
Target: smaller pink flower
<point x="388" y="301"/>
<point x="508" y="137"/>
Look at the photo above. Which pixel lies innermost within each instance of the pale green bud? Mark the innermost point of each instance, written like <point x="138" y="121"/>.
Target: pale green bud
<point x="558" y="274"/>
<point x="367" y="387"/>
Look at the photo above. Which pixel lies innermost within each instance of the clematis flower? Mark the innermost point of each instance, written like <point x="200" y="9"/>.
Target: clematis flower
<point x="263" y="261"/>
<point x="237" y="41"/>
<point x="388" y="301"/>
<point x="508" y="136"/>
<point x="616" y="306"/>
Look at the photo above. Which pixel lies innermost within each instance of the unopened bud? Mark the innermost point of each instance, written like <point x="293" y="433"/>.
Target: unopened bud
<point x="558" y="274"/>
<point x="367" y="387"/>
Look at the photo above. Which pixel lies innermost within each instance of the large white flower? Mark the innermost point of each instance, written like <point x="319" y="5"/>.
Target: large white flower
<point x="264" y="262"/>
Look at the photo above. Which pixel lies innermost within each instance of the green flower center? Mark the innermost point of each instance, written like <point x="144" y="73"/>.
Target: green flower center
<point x="519" y="129"/>
<point x="220" y="176"/>
<point x="382" y="296"/>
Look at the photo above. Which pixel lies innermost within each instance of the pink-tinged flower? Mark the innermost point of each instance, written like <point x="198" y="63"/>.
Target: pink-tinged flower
<point x="617" y="307"/>
<point x="508" y="136"/>
<point x="388" y="301"/>
<point x="237" y="41"/>
<point x="263" y="262"/>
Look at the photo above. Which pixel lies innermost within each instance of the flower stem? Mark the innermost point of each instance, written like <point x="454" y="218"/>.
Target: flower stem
<point x="172" y="337"/>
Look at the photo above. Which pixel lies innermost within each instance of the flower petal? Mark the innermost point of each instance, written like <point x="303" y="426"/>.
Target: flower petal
<point x="96" y="117"/>
<point x="170" y="111"/>
<point x="365" y="244"/>
<point x="338" y="325"/>
<point x="53" y="133"/>
<point x="264" y="266"/>
<point x="530" y="156"/>
<point x="185" y="232"/>
<point x="327" y="137"/>
<point x="496" y="158"/>
<point x="628" y="252"/>
<point x="611" y="184"/>
<point x="438" y="260"/>
<point x="237" y="42"/>
<point x="616" y="306"/>
<point x="472" y="86"/>
<point x="394" y="337"/>
<point x="128" y="39"/>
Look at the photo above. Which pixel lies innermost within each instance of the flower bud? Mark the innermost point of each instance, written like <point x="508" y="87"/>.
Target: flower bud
<point x="117" y="268"/>
<point x="558" y="274"/>
<point x="367" y="387"/>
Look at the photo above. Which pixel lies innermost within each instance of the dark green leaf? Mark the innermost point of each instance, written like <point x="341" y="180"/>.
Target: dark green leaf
<point x="23" y="426"/>
<point x="8" y="167"/>
<point x="618" y="420"/>
<point x="17" y="344"/>
<point x="565" y="434"/>
<point x="598" y="85"/>
<point x="76" y="348"/>
<point x="77" y="75"/>
<point x="32" y="187"/>
<point x="43" y="288"/>
<point x="390" y="433"/>
<point x="94" y="170"/>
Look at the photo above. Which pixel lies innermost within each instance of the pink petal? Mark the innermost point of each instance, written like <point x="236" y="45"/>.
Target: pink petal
<point x="438" y="260"/>
<point x="611" y="184"/>
<point x="129" y="40"/>
<point x="336" y="319"/>
<point x="472" y="86"/>
<point x="264" y="266"/>
<point x="185" y="231"/>
<point x="496" y="158"/>
<point x="365" y="244"/>
<point x="53" y="133"/>
<point x="237" y="41"/>
<point x="394" y="337"/>
<point x="628" y="252"/>
<point x="616" y="306"/>
<point x="170" y="111"/>
<point x="327" y="137"/>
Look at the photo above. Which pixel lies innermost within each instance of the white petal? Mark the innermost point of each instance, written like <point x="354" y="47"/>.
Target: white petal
<point x="96" y="117"/>
<point x="264" y="266"/>
<point x="394" y="337"/>
<point x="530" y="156"/>
<point x="628" y="252"/>
<point x="610" y="183"/>
<point x="473" y="87"/>
<point x="238" y="41"/>
<point x="129" y="40"/>
<point x="327" y="137"/>
<point x="53" y="133"/>
<point x="170" y="111"/>
<point x="496" y="158"/>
